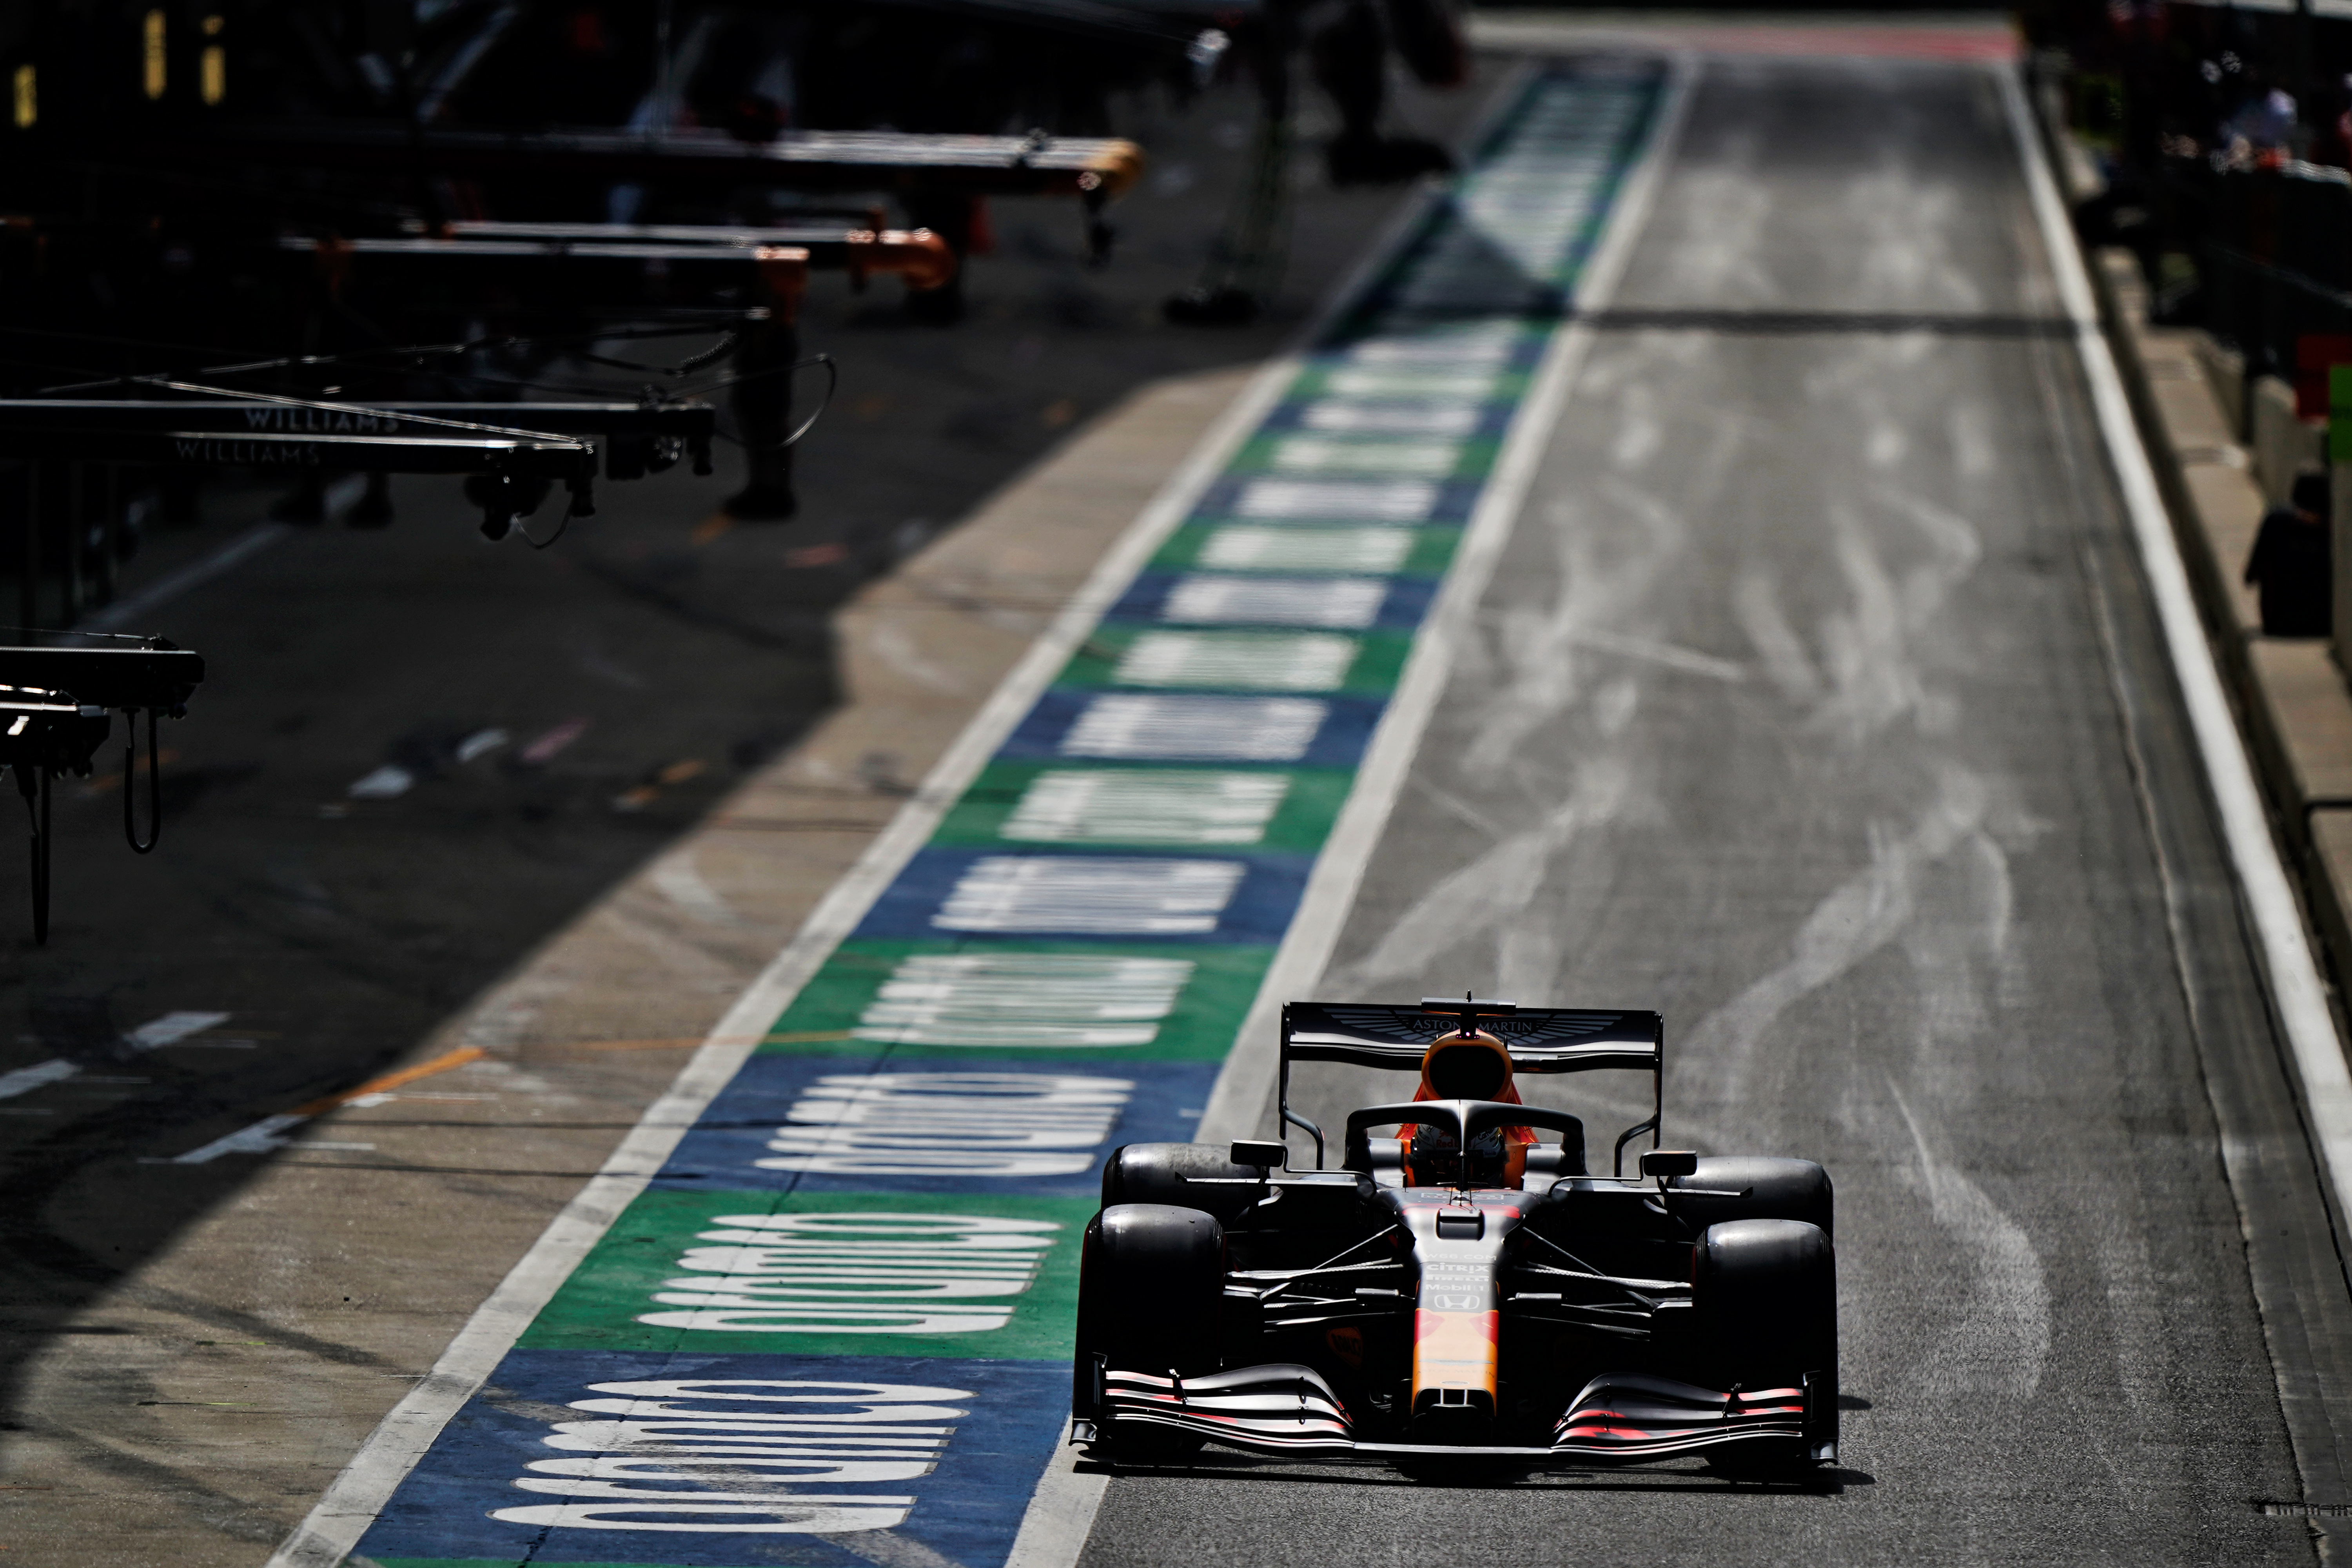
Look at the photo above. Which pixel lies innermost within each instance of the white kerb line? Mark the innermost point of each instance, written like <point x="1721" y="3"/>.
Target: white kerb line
<point x="168" y="1030"/>
<point x="171" y="585"/>
<point x="2296" y="989"/>
<point x="1247" y="1080"/>
<point x="352" y="1502"/>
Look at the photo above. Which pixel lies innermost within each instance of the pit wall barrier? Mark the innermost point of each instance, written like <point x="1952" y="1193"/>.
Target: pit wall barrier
<point x="2219" y="476"/>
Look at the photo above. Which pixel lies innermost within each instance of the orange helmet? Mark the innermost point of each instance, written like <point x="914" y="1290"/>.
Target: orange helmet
<point x="1473" y="1065"/>
<point x="1467" y="1065"/>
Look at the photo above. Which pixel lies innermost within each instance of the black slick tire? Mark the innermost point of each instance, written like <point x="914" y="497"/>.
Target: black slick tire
<point x="1766" y="1300"/>
<point x="1151" y="1279"/>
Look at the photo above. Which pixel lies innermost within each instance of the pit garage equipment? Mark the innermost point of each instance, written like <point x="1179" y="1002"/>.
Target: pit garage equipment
<point x="768" y="349"/>
<point x="54" y="708"/>
<point x="512" y="471"/>
<point x="633" y="439"/>
<point x="1035" y="165"/>
<point x="933" y="174"/>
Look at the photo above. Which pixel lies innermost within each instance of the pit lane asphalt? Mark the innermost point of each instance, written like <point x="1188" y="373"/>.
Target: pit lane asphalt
<point x="1818" y="704"/>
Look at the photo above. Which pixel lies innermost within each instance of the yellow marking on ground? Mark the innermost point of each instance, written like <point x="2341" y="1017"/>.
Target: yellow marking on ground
<point x="682" y="1042"/>
<point x="391" y="1080"/>
<point x="711" y="527"/>
<point x="678" y="772"/>
<point x="651" y="1042"/>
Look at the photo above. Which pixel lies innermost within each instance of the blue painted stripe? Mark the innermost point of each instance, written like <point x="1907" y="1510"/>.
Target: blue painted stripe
<point x="1182" y="899"/>
<point x="729" y="1461"/>
<point x="982" y="1122"/>
<point x="1253" y="498"/>
<point x="1340" y="731"/>
<point x="1400" y="605"/>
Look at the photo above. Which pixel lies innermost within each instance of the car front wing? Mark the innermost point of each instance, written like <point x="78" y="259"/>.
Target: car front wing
<point x="1288" y="1409"/>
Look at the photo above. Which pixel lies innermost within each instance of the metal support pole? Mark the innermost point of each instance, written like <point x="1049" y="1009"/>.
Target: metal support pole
<point x="110" y="548"/>
<point x="77" y="532"/>
<point x="28" y="586"/>
<point x="33" y="784"/>
<point x="665" y="113"/>
<point x="762" y="398"/>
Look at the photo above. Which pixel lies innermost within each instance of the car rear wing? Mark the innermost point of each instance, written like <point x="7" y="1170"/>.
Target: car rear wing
<point x="1540" y="1040"/>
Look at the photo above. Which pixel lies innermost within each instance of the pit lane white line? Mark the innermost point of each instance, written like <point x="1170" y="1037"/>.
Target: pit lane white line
<point x="2297" y="992"/>
<point x="168" y="1030"/>
<point x="195" y="574"/>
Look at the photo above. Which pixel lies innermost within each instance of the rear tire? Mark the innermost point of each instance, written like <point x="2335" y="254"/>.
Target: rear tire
<point x="1151" y="1282"/>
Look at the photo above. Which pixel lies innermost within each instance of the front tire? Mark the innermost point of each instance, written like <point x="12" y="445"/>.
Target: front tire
<point x="1151" y="1281"/>
<point x="1766" y="1300"/>
<point x="1766" y="1188"/>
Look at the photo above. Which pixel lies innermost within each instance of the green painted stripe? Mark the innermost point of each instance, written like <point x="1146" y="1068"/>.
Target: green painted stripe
<point x="868" y="1253"/>
<point x="1501" y="385"/>
<point x="1473" y="456"/>
<point x="1431" y="551"/>
<point x="1372" y="672"/>
<point x="1302" y="821"/>
<point x="1216" y="995"/>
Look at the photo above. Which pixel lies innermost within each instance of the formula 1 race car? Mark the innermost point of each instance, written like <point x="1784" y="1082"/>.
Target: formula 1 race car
<point x="1463" y="1290"/>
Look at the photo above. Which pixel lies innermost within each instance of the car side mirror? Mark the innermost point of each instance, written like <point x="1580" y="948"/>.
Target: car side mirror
<point x="1663" y="1163"/>
<point x="1261" y="1156"/>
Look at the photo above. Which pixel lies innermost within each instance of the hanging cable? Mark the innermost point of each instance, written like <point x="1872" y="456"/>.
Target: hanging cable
<point x="154" y="781"/>
<point x="33" y="784"/>
<point x="561" y="524"/>
<point x="831" y="384"/>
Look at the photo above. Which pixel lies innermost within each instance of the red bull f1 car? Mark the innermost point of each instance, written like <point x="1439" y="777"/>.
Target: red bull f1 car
<point x="1463" y="1289"/>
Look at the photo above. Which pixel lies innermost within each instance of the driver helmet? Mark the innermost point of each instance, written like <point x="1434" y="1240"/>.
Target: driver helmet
<point x="1472" y="1064"/>
<point x="1469" y="1064"/>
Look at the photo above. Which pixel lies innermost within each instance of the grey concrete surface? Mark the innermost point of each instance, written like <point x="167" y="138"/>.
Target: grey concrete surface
<point x="1818" y="704"/>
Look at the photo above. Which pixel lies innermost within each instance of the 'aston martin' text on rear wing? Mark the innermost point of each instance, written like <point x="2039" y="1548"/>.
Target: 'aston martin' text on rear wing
<point x="1540" y="1040"/>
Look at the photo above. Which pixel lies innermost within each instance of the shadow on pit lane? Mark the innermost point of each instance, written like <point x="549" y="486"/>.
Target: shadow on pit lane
<point x="339" y="932"/>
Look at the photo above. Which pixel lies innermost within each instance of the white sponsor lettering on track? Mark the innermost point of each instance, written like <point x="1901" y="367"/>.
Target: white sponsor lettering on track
<point x="1027" y="999"/>
<point x="1336" y="602"/>
<point x="855" y="1272"/>
<point x="1196" y="729"/>
<point x="1410" y="501"/>
<point x="1124" y="806"/>
<point x="1241" y="548"/>
<point x="1091" y="897"/>
<point x="975" y="1125"/>
<point x="760" y="1439"/>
